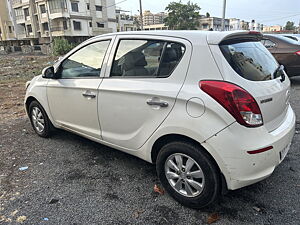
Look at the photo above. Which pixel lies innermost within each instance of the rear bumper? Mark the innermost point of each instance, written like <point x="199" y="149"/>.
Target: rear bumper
<point x="241" y="168"/>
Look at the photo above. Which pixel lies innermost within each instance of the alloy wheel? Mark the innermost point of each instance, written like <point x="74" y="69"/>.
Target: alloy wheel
<point x="38" y="119"/>
<point x="184" y="175"/>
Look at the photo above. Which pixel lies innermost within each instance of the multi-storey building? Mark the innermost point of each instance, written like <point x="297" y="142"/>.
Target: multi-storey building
<point x="274" y="28"/>
<point x="125" y="22"/>
<point x="7" y="26"/>
<point x="234" y="24"/>
<point x="40" y="20"/>
<point x="244" y="25"/>
<point x="212" y="23"/>
<point x="150" y="18"/>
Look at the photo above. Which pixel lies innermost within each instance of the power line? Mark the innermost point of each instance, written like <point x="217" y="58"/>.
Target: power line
<point x="281" y="18"/>
<point x="115" y="4"/>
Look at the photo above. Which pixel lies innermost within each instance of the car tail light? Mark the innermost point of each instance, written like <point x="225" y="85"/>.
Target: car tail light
<point x="237" y="101"/>
<point x="297" y="53"/>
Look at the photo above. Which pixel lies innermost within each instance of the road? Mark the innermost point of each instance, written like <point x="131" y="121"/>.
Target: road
<point x="71" y="180"/>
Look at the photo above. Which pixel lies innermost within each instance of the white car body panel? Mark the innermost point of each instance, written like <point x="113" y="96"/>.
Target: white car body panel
<point x="119" y="116"/>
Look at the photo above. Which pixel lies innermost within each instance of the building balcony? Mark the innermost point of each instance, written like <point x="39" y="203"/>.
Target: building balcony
<point x="19" y="3"/>
<point x="20" y="19"/>
<point x="98" y="31"/>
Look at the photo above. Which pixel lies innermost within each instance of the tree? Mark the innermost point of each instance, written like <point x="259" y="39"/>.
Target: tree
<point x="289" y="25"/>
<point x="207" y="14"/>
<point x="182" y="16"/>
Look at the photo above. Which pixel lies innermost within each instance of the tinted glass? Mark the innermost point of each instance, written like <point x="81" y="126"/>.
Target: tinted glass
<point x="146" y="58"/>
<point x="251" y="60"/>
<point x="86" y="62"/>
<point x="173" y="52"/>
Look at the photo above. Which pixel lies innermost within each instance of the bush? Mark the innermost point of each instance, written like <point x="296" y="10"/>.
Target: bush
<point x="61" y="46"/>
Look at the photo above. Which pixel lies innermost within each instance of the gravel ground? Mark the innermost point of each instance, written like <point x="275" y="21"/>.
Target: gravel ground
<point x="71" y="180"/>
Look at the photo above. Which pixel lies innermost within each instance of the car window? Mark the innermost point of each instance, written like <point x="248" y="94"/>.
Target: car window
<point x="146" y="58"/>
<point x="86" y="62"/>
<point x="251" y="60"/>
<point x="268" y="43"/>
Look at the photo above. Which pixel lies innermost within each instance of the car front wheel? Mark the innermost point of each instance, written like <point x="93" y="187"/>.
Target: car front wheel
<point x="39" y="119"/>
<point x="188" y="174"/>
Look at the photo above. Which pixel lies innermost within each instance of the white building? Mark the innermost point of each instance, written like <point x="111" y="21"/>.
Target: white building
<point x="76" y="20"/>
<point x="125" y="22"/>
<point x="254" y="26"/>
<point x="234" y="24"/>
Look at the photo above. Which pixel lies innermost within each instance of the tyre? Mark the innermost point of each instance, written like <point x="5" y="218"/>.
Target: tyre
<point x="39" y="119"/>
<point x="188" y="174"/>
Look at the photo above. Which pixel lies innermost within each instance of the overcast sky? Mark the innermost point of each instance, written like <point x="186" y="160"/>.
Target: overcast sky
<point x="268" y="12"/>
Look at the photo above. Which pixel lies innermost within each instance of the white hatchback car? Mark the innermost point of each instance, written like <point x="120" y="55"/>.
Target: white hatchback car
<point x="211" y="109"/>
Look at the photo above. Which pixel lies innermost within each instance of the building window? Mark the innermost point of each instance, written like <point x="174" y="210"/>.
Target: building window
<point x="29" y="28"/>
<point x="26" y="12"/>
<point x="88" y="6"/>
<point x="98" y="8"/>
<point x="45" y="26"/>
<point x="10" y="29"/>
<point x="77" y="25"/>
<point x="100" y="25"/>
<point x="65" y="25"/>
<point x="56" y="6"/>
<point x="91" y="24"/>
<point x="74" y="6"/>
<point x="43" y="8"/>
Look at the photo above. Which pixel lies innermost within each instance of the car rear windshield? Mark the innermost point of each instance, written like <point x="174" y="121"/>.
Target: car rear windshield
<point x="251" y="60"/>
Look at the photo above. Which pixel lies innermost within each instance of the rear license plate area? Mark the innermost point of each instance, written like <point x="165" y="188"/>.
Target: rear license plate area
<point x="283" y="152"/>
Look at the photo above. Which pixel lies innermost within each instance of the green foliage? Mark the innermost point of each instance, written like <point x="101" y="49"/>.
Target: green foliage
<point x="207" y="14"/>
<point x="61" y="46"/>
<point x="289" y="25"/>
<point x="182" y="16"/>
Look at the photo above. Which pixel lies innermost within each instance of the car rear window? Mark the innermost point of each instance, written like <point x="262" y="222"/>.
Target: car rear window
<point x="251" y="60"/>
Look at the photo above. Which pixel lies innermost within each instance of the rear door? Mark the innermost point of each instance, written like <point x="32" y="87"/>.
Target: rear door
<point x="250" y="65"/>
<point x="142" y="81"/>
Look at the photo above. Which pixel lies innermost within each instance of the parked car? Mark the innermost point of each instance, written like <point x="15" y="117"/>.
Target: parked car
<point x="210" y="109"/>
<point x="286" y="51"/>
<point x="295" y="37"/>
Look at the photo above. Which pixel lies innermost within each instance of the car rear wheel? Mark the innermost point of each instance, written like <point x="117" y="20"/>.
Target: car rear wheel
<point x="188" y="174"/>
<point x="39" y="119"/>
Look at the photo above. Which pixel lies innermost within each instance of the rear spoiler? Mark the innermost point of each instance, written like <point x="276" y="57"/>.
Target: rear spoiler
<point x="234" y="37"/>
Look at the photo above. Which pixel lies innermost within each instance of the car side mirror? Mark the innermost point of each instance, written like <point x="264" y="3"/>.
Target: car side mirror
<point x="48" y="72"/>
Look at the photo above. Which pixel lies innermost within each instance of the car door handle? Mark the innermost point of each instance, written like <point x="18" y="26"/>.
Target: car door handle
<point x="89" y="94"/>
<point x="157" y="102"/>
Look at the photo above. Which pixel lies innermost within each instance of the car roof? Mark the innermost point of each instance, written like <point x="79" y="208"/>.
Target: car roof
<point x="212" y="37"/>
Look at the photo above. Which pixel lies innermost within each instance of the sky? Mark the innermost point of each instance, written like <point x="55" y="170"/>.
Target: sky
<point x="267" y="12"/>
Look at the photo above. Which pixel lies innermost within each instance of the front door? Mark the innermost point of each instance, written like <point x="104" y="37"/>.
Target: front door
<point x="140" y="88"/>
<point x="73" y="95"/>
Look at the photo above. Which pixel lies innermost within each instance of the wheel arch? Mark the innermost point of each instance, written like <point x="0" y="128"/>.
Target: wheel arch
<point x="28" y="101"/>
<point x="167" y="138"/>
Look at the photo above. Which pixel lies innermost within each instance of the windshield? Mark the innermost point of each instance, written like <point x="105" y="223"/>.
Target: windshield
<point x="251" y="60"/>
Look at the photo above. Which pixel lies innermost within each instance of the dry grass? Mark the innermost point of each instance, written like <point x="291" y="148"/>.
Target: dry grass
<point x="15" y="70"/>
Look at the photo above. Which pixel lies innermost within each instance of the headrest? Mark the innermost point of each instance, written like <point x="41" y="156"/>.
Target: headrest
<point x="170" y="55"/>
<point x="134" y="59"/>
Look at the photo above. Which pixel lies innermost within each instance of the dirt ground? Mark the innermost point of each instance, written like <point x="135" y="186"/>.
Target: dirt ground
<point x="15" y="70"/>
